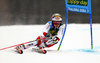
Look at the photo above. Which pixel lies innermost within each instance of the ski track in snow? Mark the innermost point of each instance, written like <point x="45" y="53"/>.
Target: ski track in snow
<point x="75" y="48"/>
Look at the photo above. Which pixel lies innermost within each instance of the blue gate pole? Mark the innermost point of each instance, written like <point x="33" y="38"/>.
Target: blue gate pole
<point x="65" y="25"/>
<point x="91" y="31"/>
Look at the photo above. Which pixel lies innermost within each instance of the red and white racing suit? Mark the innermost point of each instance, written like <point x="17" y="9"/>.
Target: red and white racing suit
<point x="45" y="41"/>
<point x="49" y="28"/>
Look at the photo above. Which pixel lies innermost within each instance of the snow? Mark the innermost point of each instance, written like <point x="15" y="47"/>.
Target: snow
<point x="75" y="48"/>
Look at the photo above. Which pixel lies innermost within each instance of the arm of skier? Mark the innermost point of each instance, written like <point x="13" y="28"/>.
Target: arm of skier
<point x="55" y="39"/>
<point x="45" y="31"/>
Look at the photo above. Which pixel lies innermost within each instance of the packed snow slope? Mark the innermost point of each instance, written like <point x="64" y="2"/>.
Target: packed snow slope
<point x="75" y="48"/>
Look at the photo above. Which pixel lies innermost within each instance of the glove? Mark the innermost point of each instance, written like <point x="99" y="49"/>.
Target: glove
<point x="48" y="35"/>
<point x="55" y="40"/>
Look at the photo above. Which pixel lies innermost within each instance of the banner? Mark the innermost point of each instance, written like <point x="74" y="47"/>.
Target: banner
<point x="82" y="6"/>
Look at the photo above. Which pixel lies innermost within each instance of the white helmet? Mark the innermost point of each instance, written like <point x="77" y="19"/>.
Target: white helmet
<point x="56" y="17"/>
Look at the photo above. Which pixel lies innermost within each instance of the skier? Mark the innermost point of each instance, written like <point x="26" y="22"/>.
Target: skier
<point x="51" y="35"/>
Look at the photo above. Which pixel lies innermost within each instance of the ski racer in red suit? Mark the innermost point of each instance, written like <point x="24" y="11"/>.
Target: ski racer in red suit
<point x="51" y="35"/>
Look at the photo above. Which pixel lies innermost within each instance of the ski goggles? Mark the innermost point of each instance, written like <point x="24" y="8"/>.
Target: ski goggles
<point x="56" y="16"/>
<point x="57" y="22"/>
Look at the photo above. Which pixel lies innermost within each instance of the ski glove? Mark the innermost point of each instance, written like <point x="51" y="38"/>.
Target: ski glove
<point x="48" y="35"/>
<point x="52" y="41"/>
<point x="55" y="40"/>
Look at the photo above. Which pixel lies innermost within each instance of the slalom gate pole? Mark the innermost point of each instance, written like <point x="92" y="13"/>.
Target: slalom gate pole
<point x="65" y="26"/>
<point x="91" y="31"/>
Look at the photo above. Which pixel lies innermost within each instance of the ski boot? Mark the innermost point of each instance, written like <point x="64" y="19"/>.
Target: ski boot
<point x="19" y="49"/>
<point x="39" y="50"/>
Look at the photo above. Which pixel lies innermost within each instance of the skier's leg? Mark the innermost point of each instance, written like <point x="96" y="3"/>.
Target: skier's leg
<point x="28" y="45"/>
<point x="41" y="45"/>
<point x="25" y="46"/>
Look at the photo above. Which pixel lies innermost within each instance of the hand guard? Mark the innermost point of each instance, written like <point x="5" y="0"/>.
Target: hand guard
<point x="55" y="40"/>
<point x="52" y="41"/>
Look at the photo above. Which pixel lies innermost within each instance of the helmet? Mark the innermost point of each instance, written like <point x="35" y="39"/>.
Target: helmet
<point x="56" y="20"/>
<point x="56" y="17"/>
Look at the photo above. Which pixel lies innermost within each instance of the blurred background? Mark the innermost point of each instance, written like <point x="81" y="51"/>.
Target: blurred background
<point x="30" y="12"/>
